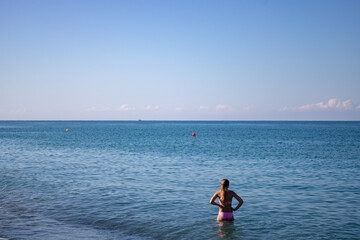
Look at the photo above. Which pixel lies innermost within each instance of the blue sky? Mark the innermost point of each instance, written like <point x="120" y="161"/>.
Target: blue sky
<point x="180" y="60"/>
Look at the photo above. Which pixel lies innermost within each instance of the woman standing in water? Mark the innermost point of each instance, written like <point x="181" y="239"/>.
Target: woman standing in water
<point x="225" y="199"/>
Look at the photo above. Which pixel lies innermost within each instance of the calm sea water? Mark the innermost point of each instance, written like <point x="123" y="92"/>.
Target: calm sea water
<point x="154" y="180"/>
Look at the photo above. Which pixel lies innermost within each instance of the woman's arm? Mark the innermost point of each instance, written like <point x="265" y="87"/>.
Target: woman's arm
<point x="239" y="200"/>
<point x="212" y="200"/>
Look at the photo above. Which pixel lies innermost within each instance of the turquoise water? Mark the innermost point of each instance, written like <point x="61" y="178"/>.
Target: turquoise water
<point x="154" y="180"/>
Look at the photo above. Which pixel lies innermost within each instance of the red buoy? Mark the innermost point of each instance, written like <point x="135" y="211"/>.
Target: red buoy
<point x="194" y="134"/>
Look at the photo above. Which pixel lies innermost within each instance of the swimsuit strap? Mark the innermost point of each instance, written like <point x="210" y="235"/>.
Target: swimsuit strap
<point x="225" y="202"/>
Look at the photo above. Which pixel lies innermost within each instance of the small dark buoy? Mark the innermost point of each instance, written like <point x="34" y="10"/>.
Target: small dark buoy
<point x="194" y="134"/>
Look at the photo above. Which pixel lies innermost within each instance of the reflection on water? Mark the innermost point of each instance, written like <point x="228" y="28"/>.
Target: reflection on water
<point x="226" y="229"/>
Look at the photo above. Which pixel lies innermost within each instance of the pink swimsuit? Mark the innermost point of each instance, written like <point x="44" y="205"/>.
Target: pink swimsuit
<point x="226" y="216"/>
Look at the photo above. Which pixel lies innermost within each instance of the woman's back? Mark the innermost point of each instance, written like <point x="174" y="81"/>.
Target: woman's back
<point x="227" y="202"/>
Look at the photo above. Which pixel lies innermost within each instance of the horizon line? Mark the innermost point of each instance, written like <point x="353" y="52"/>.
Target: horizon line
<point x="141" y="120"/>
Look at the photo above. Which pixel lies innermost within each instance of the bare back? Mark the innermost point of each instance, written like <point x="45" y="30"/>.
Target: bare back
<point x="228" y="200"/>
<point x="225" y="207"/>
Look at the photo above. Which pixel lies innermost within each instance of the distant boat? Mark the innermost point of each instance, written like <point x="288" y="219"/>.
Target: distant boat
<point x="139" y="120"/>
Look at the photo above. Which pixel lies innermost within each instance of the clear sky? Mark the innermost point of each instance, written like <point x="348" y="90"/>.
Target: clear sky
<point x="179" y="60"/>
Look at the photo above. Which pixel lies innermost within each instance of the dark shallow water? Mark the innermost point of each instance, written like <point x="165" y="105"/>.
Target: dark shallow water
<point x="153" y="180"/>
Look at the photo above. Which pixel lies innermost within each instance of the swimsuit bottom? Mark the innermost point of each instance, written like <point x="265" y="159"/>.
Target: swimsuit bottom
<point x="226" y="216"/>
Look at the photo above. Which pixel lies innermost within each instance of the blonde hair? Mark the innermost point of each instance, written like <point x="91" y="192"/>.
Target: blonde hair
<point x="224" y="184"/>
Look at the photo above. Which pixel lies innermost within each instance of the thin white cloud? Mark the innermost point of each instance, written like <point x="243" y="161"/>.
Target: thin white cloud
<point x="152" y="108"/>
<point x="333" y="103"/>
<point x="179" y="109"/>
<point x="20" y="110"/>
<point x="204" y="107"/>
<point x="248" y="108"/>
<point x="221" y="107"/>
<point x="125" y="107"/>
<point x="90" y="109"/>
<point x="358" y="107"/>
<point x="287" y="109"/>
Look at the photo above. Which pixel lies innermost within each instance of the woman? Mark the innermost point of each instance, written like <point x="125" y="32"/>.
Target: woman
<point x="225" y="199"/>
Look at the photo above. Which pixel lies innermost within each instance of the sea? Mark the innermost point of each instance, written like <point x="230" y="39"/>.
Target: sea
<point x="154" y="180"/>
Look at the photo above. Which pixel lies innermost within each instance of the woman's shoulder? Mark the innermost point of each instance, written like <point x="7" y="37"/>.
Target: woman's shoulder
<point x="218" y="193"/>
<point x="231" y="192"/>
